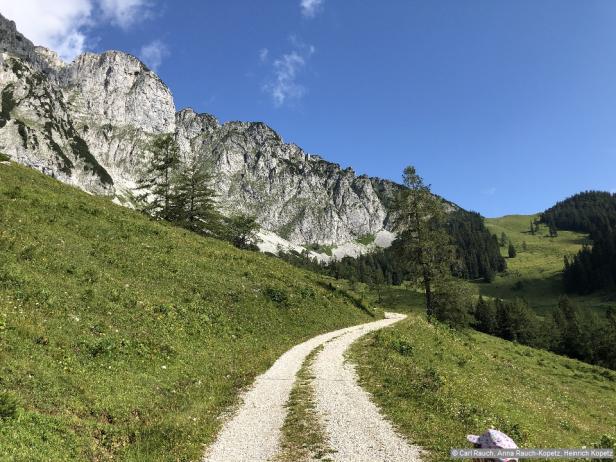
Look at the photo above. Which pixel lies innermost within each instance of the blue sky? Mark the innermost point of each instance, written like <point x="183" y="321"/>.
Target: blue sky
<point x="503" y="106"/>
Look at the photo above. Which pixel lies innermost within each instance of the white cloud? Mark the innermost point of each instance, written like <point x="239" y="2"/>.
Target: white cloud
<point x="62" y="25"/>
<point x="283" y="85"/>
<point x="153" y="54"/>
<point x="310" y="8"/>
<point x="125" y="13"/>
<point x="263" y="54"/>
<point x="57" y="25"/>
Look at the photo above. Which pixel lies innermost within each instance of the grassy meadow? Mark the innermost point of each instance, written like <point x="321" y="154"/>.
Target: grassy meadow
<point x="437" y="385"/>
<point x="535" y="273"/>
<point x="122" y="338"/>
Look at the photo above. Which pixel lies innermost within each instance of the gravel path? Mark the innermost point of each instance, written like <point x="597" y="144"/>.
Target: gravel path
<point x="354" y="425"/>
<point x="253" y="433"/>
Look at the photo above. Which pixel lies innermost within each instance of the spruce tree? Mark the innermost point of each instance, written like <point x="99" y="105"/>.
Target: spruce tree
<point x="193" y="199"/>
<point x="241" y="231"/>
<point x="503" y="239"/>
<point x="156" y="184"/>
<point x="485" y="317"/>
<point x="424" y="242"/>
<point x="511" y="251"/>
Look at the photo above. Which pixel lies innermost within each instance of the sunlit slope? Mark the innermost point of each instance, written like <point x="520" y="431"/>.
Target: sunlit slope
<point x="125" y="338"/>
<point x="437" y="385"/>
<point x="535" y="273"/>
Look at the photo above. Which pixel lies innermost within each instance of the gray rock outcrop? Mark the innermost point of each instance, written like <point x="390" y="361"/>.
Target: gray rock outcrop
<point x="89" y="122"/>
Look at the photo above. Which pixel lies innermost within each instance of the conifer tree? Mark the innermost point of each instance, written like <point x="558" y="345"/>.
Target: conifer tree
<point x="419" y="220"/>
<point x="511" y="251"/>
<point x="156" y="183"/>
<point x="485" y="316"/>
<point x="503" y="239"/>
<point x="193" y="199"/>
<point x="241" y="231"/>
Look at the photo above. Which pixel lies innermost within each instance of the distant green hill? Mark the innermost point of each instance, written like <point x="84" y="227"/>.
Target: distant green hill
<point x="123" y="338"/>
<point x="536" y="273"/>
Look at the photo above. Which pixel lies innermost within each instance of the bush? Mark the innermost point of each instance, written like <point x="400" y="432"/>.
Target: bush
<point x="454" y="302"/>
<point x="8" y="406"/>
<point x="276" y="295"/>
<point x="4" y="157"/>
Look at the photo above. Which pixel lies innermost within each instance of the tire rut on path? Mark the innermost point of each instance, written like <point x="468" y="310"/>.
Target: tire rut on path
<point x="253" y="433"/>
<point x="354" y="425"/>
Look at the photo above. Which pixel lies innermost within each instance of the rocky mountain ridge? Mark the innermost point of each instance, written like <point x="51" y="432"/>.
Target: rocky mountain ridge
<point x="89" y="122"/>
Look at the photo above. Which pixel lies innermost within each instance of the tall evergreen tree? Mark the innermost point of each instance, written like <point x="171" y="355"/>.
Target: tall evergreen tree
<point x="419" y="220"/>
<point x="503" y="239"/>
<point x="194" y="199"/>
<point x="511" y="251"/>
<point x="485" y="317"/>
<point x="241" y="231"/>
<point x="156" y="184"/>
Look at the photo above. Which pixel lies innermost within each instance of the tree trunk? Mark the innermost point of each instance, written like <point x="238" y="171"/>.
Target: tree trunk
<point x="428" y="288"/>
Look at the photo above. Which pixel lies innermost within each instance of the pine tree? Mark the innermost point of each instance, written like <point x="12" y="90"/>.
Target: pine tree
<point x="193" y="199"/>
<point x="503" y="239"/>
<point x="156" y="183"/>
<point x="485" y="317"/>
<point x="419" y="220"/>
<point x="241" y="231"/>
<point x="511" y="251"/>
<point x="553" y="231"/>
<point x="532" y="228"/>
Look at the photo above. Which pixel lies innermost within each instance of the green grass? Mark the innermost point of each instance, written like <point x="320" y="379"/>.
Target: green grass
<point x="122" y="338"/>
<point x="303" y="435"/>
<point x="366" y="239"/>
<point x="321" y="248"/>
<point x="438" y="385"/>
<point x="535" y="273"/>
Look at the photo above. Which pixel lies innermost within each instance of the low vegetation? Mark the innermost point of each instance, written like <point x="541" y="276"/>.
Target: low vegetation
<point x="303" y="436"/>
<point x="366" y="239"/>
<point x="124" y="338"/>
<point x="535" y="274"/>
<point x="437" y="385"/>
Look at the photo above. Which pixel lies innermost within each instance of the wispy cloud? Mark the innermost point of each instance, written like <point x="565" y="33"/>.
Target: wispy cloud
<point x="125" y="13"/>
<point x="153" y="54"/>
<point x="283" y="85"/>
<point x="63" y="25"/>
<point x="263" y="54"/>
<point x="310" y="8"/>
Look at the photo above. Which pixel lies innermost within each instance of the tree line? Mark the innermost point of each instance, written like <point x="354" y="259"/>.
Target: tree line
<point x="182" y="193"/>
<point x="568" y="331"/>
<point x="594" y="267"/>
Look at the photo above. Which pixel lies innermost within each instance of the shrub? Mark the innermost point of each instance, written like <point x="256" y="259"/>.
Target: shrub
<point x="454" y="302"/>
<point x="4" y="157"/>
<point x="276" y="295"/>
<point x="8" y="406"/>
<point x="403" y="347"/>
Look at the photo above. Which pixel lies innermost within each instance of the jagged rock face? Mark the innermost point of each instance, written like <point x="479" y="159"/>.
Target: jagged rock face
<point x="90" y="122"/>
<point x="37" y="130"/>
<point x="302" y="198"/>
<point x="119" y="105"/>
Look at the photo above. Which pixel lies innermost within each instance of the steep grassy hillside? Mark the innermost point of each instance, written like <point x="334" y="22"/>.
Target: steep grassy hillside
<point x="535" y="273"/>
<point x="438" y="385"/>
<point x="122" y="338"/>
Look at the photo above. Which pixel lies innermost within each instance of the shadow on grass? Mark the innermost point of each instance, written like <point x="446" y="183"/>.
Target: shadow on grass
<point x="357" y="302"/>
